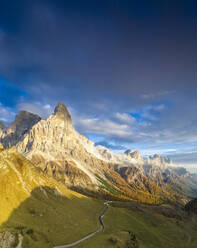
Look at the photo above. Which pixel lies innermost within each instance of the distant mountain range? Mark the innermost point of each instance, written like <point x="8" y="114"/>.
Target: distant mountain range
<point x="54" y="182"/>
<point x="67" y="156"/>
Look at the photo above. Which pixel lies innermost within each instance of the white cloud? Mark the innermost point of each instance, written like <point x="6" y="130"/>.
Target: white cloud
<point x="105" y="127"/>
<point x="47" y="106"/>
<point x="124" y="118"/>
<point x="110" y="127"/>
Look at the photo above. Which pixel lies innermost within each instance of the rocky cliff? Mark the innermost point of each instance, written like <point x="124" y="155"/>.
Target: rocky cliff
<point x="16" y="131"/>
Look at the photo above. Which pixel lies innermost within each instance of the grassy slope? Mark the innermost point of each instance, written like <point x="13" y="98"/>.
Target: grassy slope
<point x="151" y="228"/>
<point x="47" y="217"/>
<point x="51" y="220"/>
<point x="39" y="207"/>
<point x="57" y="220"/>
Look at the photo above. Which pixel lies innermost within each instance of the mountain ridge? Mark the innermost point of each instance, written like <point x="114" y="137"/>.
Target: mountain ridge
<point x="61" y="152"/>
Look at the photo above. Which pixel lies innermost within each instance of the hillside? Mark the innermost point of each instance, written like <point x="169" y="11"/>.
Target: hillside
<point x="131" y="225"/>
<point x="39" y="208"/>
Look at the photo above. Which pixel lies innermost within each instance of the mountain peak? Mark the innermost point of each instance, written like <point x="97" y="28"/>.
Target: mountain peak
<point x="23" y="114"/>
<point x="2" y="126"/>
<point x="62" y="111"/>
<point x="24" y="120"/>
<point x="159" y="160"/>
<point x="134" y="154"/>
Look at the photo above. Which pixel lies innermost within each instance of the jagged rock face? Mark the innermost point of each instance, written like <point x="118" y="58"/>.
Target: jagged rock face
<point x="2" y="126"/>
<point x="65" y="171"/>
<point x="161" y="169"/>
<point x="136" y="179"/>
<point x="62" y="112"/>
<point x="2" y="130"/>
<point x="54" y="145"/>
<point x="24" y="122"/>
<point x="129" y="158"/>
<point x="165" y="173"/>
<point x="16" y="130"/>
<point x="105" y="153"/>
<point x="156" y="173"/>
<point x="158" y="160"/>
<point x="134" y="154"/>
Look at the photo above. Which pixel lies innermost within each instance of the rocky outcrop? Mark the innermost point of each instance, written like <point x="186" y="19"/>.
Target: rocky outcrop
<point x="16" y="130"/>
<point x="158" y="160"/>
<point x="134" y="154"/>
<point x="2" y="126"/>
<point x="129" y="157"/>
<point x="2" y="130"/>
<point x="134" y="177"/>
<point x="65" y="171"/>
<point x="10" y="240"/>
<point x="62" y="112"/>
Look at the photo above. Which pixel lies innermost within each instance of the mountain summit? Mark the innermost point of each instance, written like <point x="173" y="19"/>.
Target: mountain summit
<point x="62" y="112"/>
<point x="2" y="126"/>
<point x="15" y="132"/>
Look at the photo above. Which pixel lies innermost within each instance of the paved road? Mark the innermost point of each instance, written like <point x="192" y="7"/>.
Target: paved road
<point x="91" y="234"/>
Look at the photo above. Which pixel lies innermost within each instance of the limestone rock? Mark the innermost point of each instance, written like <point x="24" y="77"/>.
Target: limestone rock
<point x="134" y="154"/>
<point x="24" y="122"/>
<point x="2" y="126"/>
<point x="8" y="239"/>
<point x="15" y="132"/>
<point x="55" y="147"/>
<point x="62" y="112"/>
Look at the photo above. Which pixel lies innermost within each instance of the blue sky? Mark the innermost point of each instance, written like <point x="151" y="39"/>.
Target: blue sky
<point x="125" y="69"/>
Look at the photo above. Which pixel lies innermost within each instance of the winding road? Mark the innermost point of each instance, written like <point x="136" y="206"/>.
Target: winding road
<point x="91" y="234"/>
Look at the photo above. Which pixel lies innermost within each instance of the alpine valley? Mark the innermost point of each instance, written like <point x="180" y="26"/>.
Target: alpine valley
<point x="57" y="187"/>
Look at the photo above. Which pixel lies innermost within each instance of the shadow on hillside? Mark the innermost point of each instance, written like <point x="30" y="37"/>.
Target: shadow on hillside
<point x="48" y="218"/>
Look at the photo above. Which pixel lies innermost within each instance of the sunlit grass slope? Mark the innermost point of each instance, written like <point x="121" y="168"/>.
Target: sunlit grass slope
<point x="42" y="210"/>
<point x="18" y="177"/>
